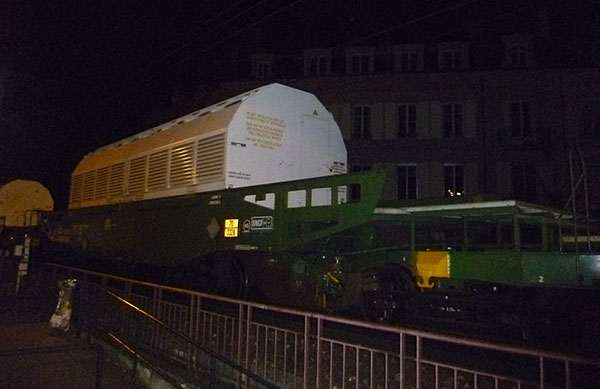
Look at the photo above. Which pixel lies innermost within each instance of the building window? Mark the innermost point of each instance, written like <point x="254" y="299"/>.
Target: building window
<point x="590" y="121"/>
<point x="407" y="181"/>
<point x="409" y="62"/>
<point x="360" y="64"/>
<point x="518" y="51"/>
<point x="262" y="65"/>
<point x="317" y="62"/>
<point x="263" y="70"/>
<point x="518" y="56"/>
<point x="454" y="179"/>
<point x="317" y="66"/>
<point x="407" y="121"/>
<point x="452" y="60"/>
<point x="453" y="120"/>
<point x="453" y="56"/>
<point x="408" y="58"/>
<point x="361" y="168"/>
<point x="524" y="182"/>
<point x="360" y="59"/>
<point x="361" y="122"/>
<point x="520" y="119"/>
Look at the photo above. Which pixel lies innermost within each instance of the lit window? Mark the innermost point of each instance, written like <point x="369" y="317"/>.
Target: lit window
<point x="407" y="121"/>
<point x="453" y="120"/>
<point x="454" y="180"/>
<point x="520" y="119"/>
<point x="407" y="182"/>
<point x="361" y="122"/>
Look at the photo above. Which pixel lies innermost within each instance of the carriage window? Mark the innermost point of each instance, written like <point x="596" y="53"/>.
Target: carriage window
<point x="355" y="193"/>
<point x="266" y="200"/>
<point x="296" y="198"/>
<point x="342" y="196"/>
<point x="320" y="197"/>
<point x="483" y="235"/>
<point x="531" y="237"/>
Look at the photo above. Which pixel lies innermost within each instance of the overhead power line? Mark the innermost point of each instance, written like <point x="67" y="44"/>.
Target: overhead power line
<point x="208" y="47"/>
<point x="153" y="62"/>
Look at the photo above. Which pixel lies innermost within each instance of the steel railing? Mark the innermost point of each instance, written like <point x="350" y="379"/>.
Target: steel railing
<point x="291" y="348"/>
<point x="156" y="343"/>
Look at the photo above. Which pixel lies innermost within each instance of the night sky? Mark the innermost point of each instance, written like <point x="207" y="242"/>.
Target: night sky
<point x="85" y="73"/>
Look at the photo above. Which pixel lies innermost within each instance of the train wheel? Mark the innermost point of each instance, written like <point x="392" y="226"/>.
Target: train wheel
<point x="386" y="294"/>
<point x="227" y="277"/>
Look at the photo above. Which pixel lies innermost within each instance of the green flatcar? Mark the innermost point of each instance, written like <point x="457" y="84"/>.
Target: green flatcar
<point x="326" y="241"/>
<point x="180" y="198"/>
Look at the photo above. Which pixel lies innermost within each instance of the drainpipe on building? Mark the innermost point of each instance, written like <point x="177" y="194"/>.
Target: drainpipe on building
<point x="483" y="137"/>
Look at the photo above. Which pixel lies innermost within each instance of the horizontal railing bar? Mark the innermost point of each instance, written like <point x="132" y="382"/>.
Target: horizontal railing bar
<point x="357" y="323"/>
<point x="473" y="371"/>
<point x="191" y="341"/>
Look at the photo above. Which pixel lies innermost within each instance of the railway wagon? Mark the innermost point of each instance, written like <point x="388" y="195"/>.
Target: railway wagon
<point x="266" y="211"/>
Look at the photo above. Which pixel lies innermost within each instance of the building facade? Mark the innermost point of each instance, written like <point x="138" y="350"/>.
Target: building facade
<point x="497" y="109"/>
<point x="440" y="125"/>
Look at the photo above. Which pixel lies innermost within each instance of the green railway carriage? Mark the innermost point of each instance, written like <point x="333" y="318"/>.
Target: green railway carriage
<point x="249" y="197"/>
<point x="508" y="242"/>
<point x="335" y="247"/>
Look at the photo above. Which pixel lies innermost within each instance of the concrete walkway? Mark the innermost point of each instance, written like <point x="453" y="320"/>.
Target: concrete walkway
<point x="25" y="326"/>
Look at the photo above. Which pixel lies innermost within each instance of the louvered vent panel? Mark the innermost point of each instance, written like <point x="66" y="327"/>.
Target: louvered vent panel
<point x="210" y="159"/>
<point x="89" y="179"/>
<point x="101" y="190"/>
<point x="157" y="170"/>
<point x="137" y="175"/>
<point x="76" y="188"/>
<point x="115" y="186"/>
<point x="182" y="165"/>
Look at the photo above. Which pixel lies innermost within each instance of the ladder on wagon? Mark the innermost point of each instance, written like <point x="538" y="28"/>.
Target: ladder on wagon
<point x="577" y="181"/>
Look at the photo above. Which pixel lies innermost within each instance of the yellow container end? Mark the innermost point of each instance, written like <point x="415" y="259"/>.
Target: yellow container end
<point x="431" y="264"/>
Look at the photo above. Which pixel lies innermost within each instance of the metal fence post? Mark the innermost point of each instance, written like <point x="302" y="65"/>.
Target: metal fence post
<point x="306" y="350"/>
<point x="542" y="380"/>
<point x="419" y="345"/>
<point x="191" y="323"/>
<point x="567" y="375"/>
<point x="247" y="340"/>
<point x="156" y="298"/>
<point x="240" y="331"/>
<point x="319" y="334"/>
<point x="213" y="373"/>
<point x="83" y="300"/>
<point x="99" y="367"/>
<point x="136" y="343"/>
<point x="401" y="361"/>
